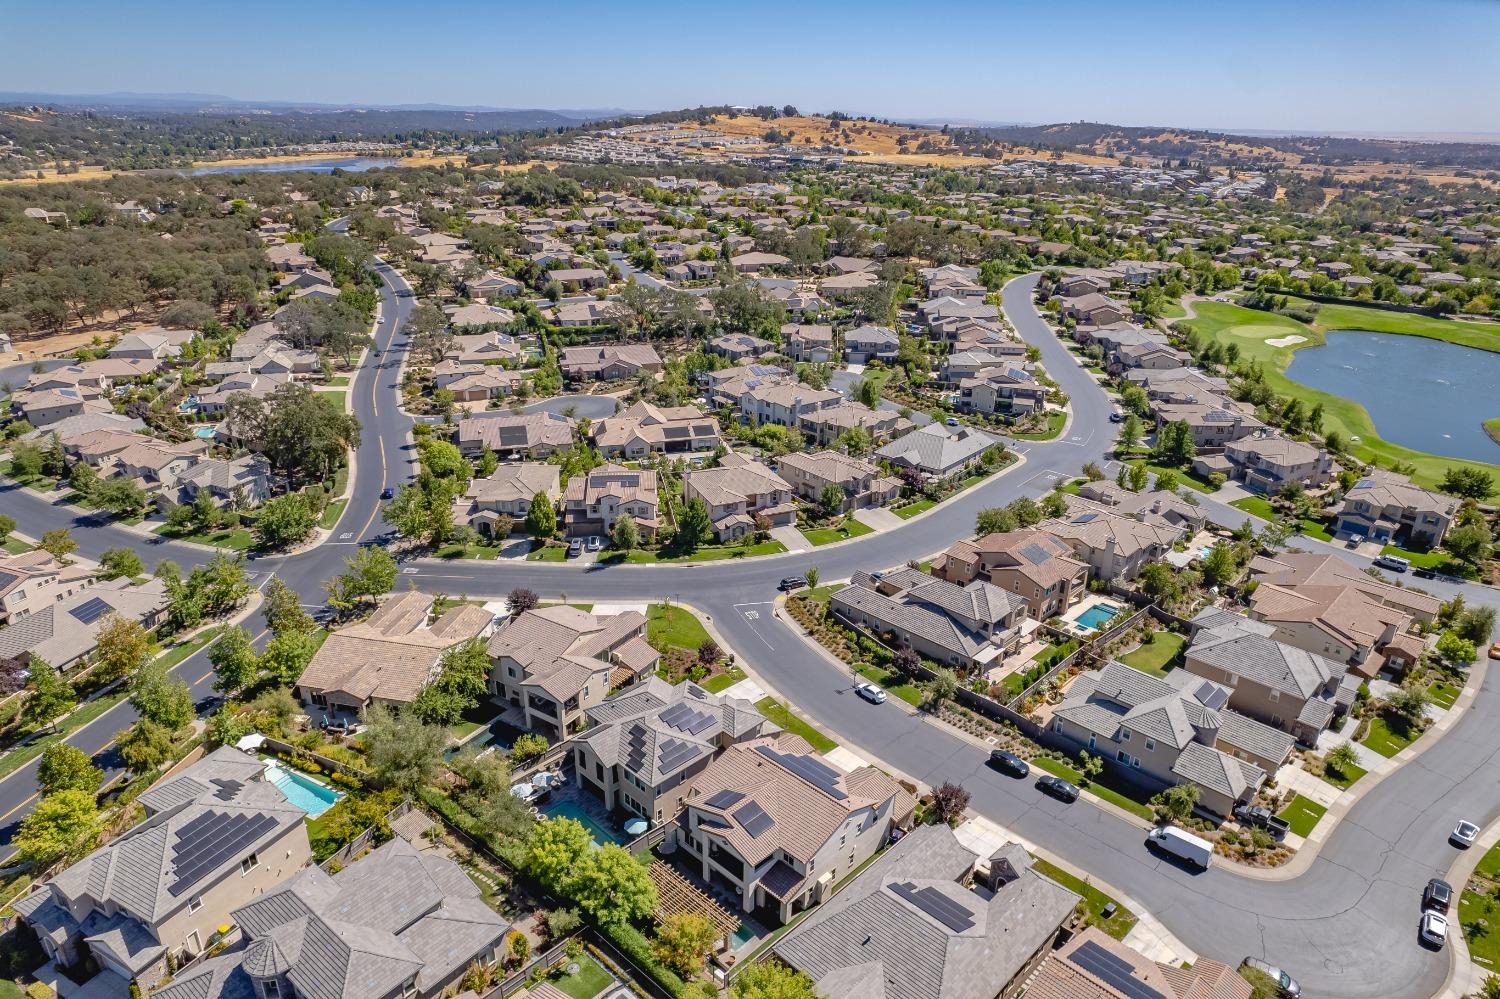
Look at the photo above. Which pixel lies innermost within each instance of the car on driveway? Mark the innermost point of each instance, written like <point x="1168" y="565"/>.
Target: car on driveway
<point x="1116" y="416"/>
<point x="1437" y="896"/>
<point x="1286" y="985"/>
<point x="595" y="543"/>
<point x="870" y="692"/>
<point x="1009" y="763"/>
<point x="1354" y="541"/>
<point x="1434" y="928"/>
<point x="791" y="583"/>
<point x="1464" y="834"/>
<point x="389" y="492"/>
<point x="575" y="548"/>
<point x="1058" y="788"/>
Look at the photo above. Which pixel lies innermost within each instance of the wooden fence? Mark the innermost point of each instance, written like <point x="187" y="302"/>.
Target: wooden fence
<point x="346" y="853"/>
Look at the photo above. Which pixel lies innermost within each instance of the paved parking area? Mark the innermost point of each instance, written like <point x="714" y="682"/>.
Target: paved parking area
<point x="792" y="538"/>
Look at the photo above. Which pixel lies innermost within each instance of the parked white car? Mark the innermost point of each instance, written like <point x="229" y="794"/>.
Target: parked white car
<point x="871" y="693"/>
<point x="1464" y="834"/>
<point x="1434" y="929"/>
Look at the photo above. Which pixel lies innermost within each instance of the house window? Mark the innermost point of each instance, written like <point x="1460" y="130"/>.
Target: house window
<point x="1122" y="756"/>
<point x="1150" y="745"/>
<point x="1125" y="735"/>
<point x="1275" y="696"/>
<point x="270" y="989"/>
<point x="195" y="903"/>
<point x="249" y="864"/>
<point x="1091" y="742"/>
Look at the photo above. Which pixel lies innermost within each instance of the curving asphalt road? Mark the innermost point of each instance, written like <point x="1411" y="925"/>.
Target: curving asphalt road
<point x="1345" y="928"/>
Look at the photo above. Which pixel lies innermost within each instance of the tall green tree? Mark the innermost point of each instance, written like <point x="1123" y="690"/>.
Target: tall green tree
<point x="281" y="606"/>
<point x="287" y="655"/>
<point x="161" y="698"/>
<point x="51" y="694"/>
<point x="235" y="661"/>
<point x="369" y="573"/>
<point x="145" y="745"/>
<point x="121" y="562"/>
<point x="64" y="825"/>
<point x="405" y="752"/>
<point x="67" y="768"/>
<point x="285" y="521"/>
<point x="695" y="527"/>
<point x="121" y="647"/>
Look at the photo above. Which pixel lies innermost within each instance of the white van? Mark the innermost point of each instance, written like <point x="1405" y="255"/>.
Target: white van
<point x="1183" y="844"/>
<point x="1395" y="563"/>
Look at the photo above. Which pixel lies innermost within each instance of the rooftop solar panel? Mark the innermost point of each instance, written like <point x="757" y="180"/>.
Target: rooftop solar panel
<point x="930" y="900"/>
<point x="210" y="840"/>
<point x="819" y="775"/>
<point x="686" y="718"/>
<point x="90" y="610"/>
<point x="1211" y="696"/>
<point x="754" y="819"/>
<point x="723" y="799"/>
<point x="1113" y="971"/>
<point x="227" y="789"/>
<point x="1034" y="554"/>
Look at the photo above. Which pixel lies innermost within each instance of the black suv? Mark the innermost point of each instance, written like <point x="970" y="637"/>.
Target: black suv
<point x="1009" y="763"/>
<point x="1437" y="896"/>
<point x="793" y="583"/>
<point x="1058" y="788"/>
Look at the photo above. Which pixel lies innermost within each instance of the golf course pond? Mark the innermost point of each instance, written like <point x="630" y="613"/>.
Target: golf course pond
<point x="1423" y="394"/>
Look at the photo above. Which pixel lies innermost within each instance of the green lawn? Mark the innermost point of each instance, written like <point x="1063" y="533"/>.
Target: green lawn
<point x="468" y="551"/>
<point x="1438" y="561"/>
<point x="1302" y="814"/>
<point x="546" y="554"/>
<point x="1386" y="739"/>
<point x="720" y="682"/>
<point x="1314" y="529"/>
<point x="1055" y="422"/>
<point x="879" y="376"/>
<point x="14" y="546"/>
<point x="1443" y="694"/>
<point x="589" y="982"/>
<point x="707" y="553"/>
<point x="335" y="396"/>
<point x="911" y="510"/>
<point x="1111" y="789"/>
<point x="331" y="513"/>
<point x="1492" y="427"/>
<point x="1158" y="651"/>
<point x="892" y="683"/>
<point x="1249" y="330"/>
<point x="1478" y="916"/>
<point x="1094" y="901"/>
<point x="850" y="528"/>
<point x="674" y="627"/>
<point x="1484" y="336"/>
<point x="781" y="715"/>
<point x="1184" y="476"/>
<point x="1346" y="777"/>
<point x="1489" y="864"/>
<point x="820" y="594"/>
<point x="338" y="380"/>
<point x="1255" y="506"/>
<point x="1173" y="310"/>
<point x="239" y="539"/>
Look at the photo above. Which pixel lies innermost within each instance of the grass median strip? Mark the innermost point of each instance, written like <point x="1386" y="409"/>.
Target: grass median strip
<point x="1094" y="900"/>
<point x="1302" y="814"/>
<point x="779" y="713"/>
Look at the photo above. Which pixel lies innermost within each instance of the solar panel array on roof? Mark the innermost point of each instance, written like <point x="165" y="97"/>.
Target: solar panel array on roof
<point x="635" y="747"/>
<point x="1210" y="695"/>
<point x="686" y="718"/>
<point x="723" y="799"/>
<point x="1085" y="518"/>
<point x="753" y="818"/>
<point x="937" y="905"/>
<point x="227" y="789"/>
<point x="1035" y="554"/>
<point x="90" y="610"/>
<point x="674" y="754"/>
<point x="819" y="775"/>
<point x="211" y="839"/>
<point x="1112" y="971"/>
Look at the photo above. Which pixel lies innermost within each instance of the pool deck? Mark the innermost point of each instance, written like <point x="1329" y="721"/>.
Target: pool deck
<point x="1071" y="620"/>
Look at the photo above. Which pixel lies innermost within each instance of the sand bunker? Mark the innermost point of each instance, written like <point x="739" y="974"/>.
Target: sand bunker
<point x="1287" y="341"/>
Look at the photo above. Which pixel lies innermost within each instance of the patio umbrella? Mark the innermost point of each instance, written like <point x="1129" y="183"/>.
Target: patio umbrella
<point x="636" y="826"/>
<point x="521" y="790"/>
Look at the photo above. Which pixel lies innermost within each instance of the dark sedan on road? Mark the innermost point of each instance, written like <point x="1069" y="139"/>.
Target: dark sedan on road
<point x="389" y="492"/>
<point x="1058" y="788"/>
<point x="1437" y="896"/>
<point x="1009" y="763"/>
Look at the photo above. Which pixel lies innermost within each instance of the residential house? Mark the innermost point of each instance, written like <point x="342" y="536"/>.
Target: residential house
<point x="746" y="263"/>
<point x="1170" y="731"/>
<point x="243" y="482"/>
<point x="533" y="434"/>
<point x="30" y="581"/>
<point x="1282" y="685"/>
<point x="64" y="633"/>
<point x="1267" y="462"/>
<point x="493" y="284"/>
<point x="508" y="491"/>
<point x="738" y="491"/>
<point x="399" y="922"/>
<point x="871" y="343"/>
<point x="645" y="428"/>
<point x="939" y="451"/>
<point x="826" y="426"/>
<point x="862" y="484"/>
<point x="736" y="346"/>
<point x="216" y="836"/>
<point x="782" y="402"/>
<point x="1341" y="622"/>
<point x="1004" y="390"/>
<point x="553" y="664"/>
<point x="968" y="363"/>
<point x="645" y="745"/>
<point x="1094" y="965"/>
<point x="591" y="312"/>
<point x="774" y="824"/>
<point x="389" y="656"/>
<point x="1035" y="566"/>
<point x="1384" y="507"/>
<point x="1115" y="546"/>
<point x="1094" y="309"/>
<point x="966" y="627"/>
<point x="480" y="314"/>
<point x="1214" y="424"/>
<point x="47" y="407"/>
<point x="609" y="362"/>
<point x="594" y="501"/>
<point x="930" y="920"/>
<point x="151" y="345"/>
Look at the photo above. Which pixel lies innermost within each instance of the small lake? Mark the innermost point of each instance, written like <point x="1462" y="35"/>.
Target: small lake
<point x="351" y="164"/>
<point x="1423" y="394"/>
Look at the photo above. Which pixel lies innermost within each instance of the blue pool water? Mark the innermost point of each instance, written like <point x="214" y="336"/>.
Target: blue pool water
<point x="1097" y="616"/>
<point x="742" y="936"/>
<point x="205" y="433"/>
<point x="601" y="833"/>
<point x="304" y="792"/>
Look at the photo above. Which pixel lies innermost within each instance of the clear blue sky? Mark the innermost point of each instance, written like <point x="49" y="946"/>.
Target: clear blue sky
<point x="1378" y="65"/>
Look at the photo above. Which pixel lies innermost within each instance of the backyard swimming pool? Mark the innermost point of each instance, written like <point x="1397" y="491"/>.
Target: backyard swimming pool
<point x="602" y="834"/>
<point x="1098" y="616"/>
<point x="304" y="792"/>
